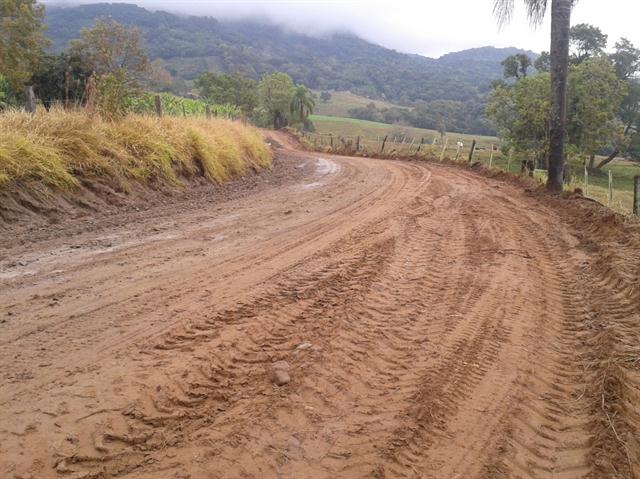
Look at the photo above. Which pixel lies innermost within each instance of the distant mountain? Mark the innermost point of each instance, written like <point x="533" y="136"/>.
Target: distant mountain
<point x="188" y="45"/>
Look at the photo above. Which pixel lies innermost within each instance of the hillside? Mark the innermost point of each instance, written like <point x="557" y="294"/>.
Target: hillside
<point x="342" y="62"/>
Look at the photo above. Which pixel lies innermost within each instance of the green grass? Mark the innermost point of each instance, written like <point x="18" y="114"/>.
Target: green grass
<point x="371" y="132"/>
<point x="343" y="101"/>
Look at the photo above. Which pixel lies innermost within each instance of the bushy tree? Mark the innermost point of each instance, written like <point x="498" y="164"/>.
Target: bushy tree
<point x="116" y="55"/>
<point x="21" y="40"/>
<point x="516" y="66"/>
<point x="595" y="97"/>
<point x="113" y="49"/>
<point x="543" y="63"/>
<point x="521" y="112"/>
<point x="586" y="42"/>
<point x="274" y="93"/>
<point x="233" y="89"/>
<point x="626" y="59"/>
<point x="61" y="78"/>
<point x="325" y="96"/>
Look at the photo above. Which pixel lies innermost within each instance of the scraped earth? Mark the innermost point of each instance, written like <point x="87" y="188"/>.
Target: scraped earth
<point x="435" y="323"/>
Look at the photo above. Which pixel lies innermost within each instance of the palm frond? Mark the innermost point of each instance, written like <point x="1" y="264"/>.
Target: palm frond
<point x="536" y="9"/>
<point x="503" y="10"/>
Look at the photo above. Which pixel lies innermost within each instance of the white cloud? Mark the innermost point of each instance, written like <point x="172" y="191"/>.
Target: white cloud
<point x="426" y="27"/>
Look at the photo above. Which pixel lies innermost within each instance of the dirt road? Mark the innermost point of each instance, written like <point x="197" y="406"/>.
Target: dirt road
<point x="436" y="324"/>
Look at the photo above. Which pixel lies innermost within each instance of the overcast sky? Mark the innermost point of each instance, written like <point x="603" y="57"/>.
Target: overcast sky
<point x="427" y="27"/>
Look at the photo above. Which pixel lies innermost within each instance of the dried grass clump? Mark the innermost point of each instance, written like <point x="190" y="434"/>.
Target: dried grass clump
<point x="57" y="149"/>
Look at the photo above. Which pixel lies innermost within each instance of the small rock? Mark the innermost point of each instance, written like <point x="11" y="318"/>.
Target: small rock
<point x="288" y="212"/>
<point x="316" y="349"/>
<point x="281" y="377"/>
<point x="280" y="370"/>
<point x="305" y="345"/>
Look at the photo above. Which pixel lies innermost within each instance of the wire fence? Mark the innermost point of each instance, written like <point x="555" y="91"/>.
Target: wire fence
<point x="617" y="190"/>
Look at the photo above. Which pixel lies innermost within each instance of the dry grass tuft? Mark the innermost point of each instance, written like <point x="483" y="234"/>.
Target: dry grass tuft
<point x="58" y="149"/>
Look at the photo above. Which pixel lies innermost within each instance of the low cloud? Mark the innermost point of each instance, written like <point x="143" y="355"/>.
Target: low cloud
<point x="426" y="28"/>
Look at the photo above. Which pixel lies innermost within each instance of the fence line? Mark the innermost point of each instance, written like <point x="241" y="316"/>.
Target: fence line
<point x="598" y="186"/>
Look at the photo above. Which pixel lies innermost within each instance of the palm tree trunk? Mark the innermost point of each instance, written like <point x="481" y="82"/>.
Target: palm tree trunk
<point x="560" y="26"/>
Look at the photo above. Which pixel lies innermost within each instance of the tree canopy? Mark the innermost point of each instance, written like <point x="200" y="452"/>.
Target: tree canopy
<point x="21" y="40"/>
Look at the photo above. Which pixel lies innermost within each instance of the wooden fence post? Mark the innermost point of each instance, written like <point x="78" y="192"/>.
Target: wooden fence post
<point x="610" y="188"/>
<point x="331" y="139"/>
<point x="586" y="181"/>
<point x="636" y="195"/>
<point x="358" y="143"/>
<point x="444" y="148"/>
<point x="30" y="100"/>
<point x="158" y="106"/>
<point x="420" y="145"/>
<point x="491" y="157"/>
<point x="184" y="111"/>
<point x="207" y="112"/>
<point x="473" y="147"/>
<point x="509" y="162"/>
<point x="383" y="143"/>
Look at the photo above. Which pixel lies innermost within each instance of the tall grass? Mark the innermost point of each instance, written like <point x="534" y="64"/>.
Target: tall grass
<point x="58" y="149"/>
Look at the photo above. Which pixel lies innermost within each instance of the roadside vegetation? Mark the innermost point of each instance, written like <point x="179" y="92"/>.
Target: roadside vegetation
<point x="59" y="149"/>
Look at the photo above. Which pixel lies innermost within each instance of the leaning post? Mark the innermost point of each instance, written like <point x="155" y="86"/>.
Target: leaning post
<point x="384" y="141"/>
<point x="473" y="147"/>
<point x="610" y="188"/>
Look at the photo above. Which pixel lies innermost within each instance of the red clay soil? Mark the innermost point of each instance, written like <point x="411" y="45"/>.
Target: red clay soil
<point x="436" y="323"/>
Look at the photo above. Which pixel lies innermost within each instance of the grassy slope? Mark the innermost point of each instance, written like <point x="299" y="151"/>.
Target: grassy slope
<point x="371" y="130"/>
<point x="342" y="101"/>
<point x="55" y="151"/>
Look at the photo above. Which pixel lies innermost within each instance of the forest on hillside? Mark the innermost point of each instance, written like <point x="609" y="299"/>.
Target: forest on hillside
<point x="187" y="46"/>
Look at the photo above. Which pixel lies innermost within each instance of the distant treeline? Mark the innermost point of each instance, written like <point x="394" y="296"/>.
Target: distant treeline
<point x="441" y="115"/>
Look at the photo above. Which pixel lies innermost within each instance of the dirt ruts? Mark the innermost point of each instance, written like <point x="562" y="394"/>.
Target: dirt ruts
<point x="436" y="324"/>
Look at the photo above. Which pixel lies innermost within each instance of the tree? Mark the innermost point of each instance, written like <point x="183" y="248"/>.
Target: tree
<point x="543" y="63"/>
<point x="61" y="78"/>
<point x="626" y="59"/>
<point x="111" y="48"/>
<point x="595" y="96"/>
<point x="521" y="114"/>
<point x="302" y="103"/>
<point x="21" y="40"/>
<point x="325" y="96"/>
<point x="516" y="66"/>
<point x="559" y="55"/>
<point x="231" y="89"/>
<point x="120" y="63"/>
<point x="587" y="42"/>
<point x="274" y="93"/>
